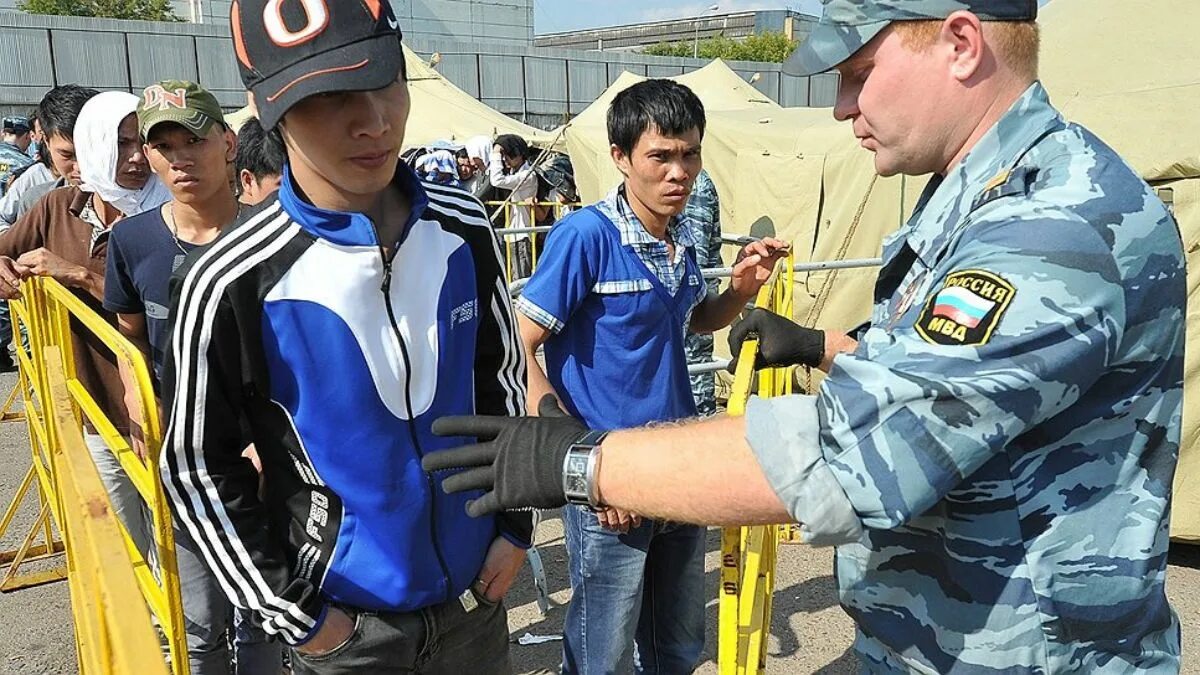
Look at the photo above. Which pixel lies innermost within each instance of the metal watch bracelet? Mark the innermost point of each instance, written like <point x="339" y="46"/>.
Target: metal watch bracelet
<point x="579" y="470"/>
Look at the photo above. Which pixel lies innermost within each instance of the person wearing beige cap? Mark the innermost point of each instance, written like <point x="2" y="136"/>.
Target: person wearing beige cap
<point x="189" y="148"/>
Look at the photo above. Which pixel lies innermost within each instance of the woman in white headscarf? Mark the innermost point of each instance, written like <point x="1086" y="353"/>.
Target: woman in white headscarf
<point x="109" y="149"/>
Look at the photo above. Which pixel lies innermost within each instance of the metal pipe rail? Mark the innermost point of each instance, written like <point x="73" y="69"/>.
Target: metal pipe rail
<point x="523" y="230"/>
<point x="799" y="268"/>
<point x="710" y="367"/>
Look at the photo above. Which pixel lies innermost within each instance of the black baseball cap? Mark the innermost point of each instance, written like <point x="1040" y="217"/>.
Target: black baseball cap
<point x="288" y="51"/>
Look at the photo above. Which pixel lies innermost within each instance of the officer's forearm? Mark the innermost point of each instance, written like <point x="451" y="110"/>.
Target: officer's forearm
<point x="700" y="472"/>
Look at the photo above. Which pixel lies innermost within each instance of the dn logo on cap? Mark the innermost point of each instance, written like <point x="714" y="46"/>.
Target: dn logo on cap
<point x="316" y="14"/>
<point x="157" y="97"/>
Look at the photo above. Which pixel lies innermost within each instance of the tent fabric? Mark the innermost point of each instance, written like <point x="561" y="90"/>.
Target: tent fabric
<point x="1143" y="101"/>
<point x="442" y="111"/>
<point x="798" y="174"/>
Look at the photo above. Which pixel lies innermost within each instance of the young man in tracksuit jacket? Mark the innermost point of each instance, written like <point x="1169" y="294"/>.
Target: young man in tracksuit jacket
<point x="332" y="325"/>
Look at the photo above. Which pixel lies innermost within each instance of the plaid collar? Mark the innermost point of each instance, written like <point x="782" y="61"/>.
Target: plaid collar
<point x="682" y="229"/>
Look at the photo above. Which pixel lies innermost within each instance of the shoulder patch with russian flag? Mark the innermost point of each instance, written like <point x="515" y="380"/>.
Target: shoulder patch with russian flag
<point x="966" y="310"/>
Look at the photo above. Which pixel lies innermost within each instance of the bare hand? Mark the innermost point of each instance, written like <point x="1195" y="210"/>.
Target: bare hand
<point x="617" y="520"/>
<point x="11" y="274"/>
<point x="755" y="264"/>
<point x="46" y="264"/>
<point x="500" y="568"/>
<point x="337" y="629"/>
<point x="836" y="343"/>
<point x="251" y="453"/>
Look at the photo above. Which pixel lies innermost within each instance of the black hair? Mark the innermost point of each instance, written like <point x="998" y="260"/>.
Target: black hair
<point x="513" y="145"/>
<point x="665" y="105"/>
<point x="462" y="153"/>
<point x="59" y="109"/>
<point x="259" y="152"/>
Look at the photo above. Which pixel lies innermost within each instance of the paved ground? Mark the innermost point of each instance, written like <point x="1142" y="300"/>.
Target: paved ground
<point x="810" y="634"/>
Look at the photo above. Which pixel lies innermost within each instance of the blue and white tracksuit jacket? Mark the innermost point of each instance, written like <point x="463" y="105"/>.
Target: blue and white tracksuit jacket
<point x="298" y="330"/>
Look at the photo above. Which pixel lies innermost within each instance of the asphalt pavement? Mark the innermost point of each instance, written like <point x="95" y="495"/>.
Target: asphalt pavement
<point x="809" y="632"/>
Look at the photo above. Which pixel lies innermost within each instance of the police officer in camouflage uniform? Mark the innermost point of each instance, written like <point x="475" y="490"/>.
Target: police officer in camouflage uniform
<point x="993" y="453"/>
<point x="704" y="209"/>
<point x="13" y="146"/>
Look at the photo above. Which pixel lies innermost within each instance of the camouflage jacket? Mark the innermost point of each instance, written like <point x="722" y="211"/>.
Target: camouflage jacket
<point x="996" y="457"/>
<point x="704" y="208"/>
<point x="11" y="159"/>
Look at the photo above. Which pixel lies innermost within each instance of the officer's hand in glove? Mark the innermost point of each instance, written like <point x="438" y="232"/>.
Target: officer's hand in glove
<point x="781" y="342"/>
<point x="518" y="461"/>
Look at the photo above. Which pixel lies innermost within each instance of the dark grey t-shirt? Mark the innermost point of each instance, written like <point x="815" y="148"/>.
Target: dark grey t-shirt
<point x="142" y="255"/>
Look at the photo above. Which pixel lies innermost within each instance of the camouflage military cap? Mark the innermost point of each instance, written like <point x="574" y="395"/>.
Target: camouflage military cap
<point x="847" y="25"/>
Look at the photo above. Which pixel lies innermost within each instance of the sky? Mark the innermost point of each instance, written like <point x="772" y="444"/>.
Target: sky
<point x="552" y="16"/>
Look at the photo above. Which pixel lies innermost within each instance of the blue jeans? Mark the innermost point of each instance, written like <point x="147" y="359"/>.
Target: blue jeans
<point x="209" y="616"/>
<point x="643" y="589"/>
<point x="5" y="325"/>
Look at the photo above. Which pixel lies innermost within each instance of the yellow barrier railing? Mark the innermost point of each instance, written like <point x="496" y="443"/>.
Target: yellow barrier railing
<point x="111" y="636"/>
<point x="512" y="270"/>
<point x="748" y="554"/>
<point x="46" y="312"/>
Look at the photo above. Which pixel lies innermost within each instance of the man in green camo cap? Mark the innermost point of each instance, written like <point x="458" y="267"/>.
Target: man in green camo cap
<point x="184" y="103"/>
<point x="993" y="452"/>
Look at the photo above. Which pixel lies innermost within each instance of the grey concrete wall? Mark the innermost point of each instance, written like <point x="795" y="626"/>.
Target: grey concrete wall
<point x="545" y="86"/>
<point x="540" y="86"/>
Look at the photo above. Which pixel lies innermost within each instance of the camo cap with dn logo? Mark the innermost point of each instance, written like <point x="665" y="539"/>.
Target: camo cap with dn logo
<point x="847" y="25"/>
<point x="181" y="102"/>
<point x="288" y="50"/>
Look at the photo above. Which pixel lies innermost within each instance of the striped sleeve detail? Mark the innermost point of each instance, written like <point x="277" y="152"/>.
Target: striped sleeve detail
<point x="203" y="432"/>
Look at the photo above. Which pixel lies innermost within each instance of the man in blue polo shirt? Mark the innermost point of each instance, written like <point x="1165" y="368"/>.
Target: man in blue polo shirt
<point x="612" y="299"/>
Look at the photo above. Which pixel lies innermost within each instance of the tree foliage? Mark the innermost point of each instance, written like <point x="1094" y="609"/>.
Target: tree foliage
<point x="141" y="10"/>
<point x="771" y="47"/>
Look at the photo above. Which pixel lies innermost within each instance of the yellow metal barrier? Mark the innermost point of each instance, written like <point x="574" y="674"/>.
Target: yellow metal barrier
<point x="111" y="634"/>
<point x="748" y="553"/>
<point x="509" y="210"/>
<point x="46" y="312"/>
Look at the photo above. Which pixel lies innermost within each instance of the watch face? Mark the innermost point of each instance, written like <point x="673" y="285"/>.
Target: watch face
<point x="575" y="477"/>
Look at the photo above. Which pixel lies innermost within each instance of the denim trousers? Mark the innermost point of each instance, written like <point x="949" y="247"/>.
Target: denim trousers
<point x="211" y="618"/>
<point x="642" y="590"/>
<point x="453" y="638"/>
<point x="127" y="504"/>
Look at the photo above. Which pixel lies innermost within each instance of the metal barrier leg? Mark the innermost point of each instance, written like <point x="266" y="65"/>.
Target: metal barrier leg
<point x="731" y="584"/>
<point x="7" y="414"/>
<point x="14" y="580"/>
<point x="28" y="552"/>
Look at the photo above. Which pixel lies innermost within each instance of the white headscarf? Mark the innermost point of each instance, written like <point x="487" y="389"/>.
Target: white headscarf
<point x="96" y="149"/>
<point x="480" y="147"/>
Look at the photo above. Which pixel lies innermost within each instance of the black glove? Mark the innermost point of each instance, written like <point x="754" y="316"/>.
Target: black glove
<point x="781" y="342"/>
<point x="518" y="462"/>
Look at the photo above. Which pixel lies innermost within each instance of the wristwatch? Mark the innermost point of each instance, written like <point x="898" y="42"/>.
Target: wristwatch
<point x="579" y="470"/>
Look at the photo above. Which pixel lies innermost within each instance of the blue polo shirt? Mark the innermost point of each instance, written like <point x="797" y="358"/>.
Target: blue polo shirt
<point x="618" y="310"/>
